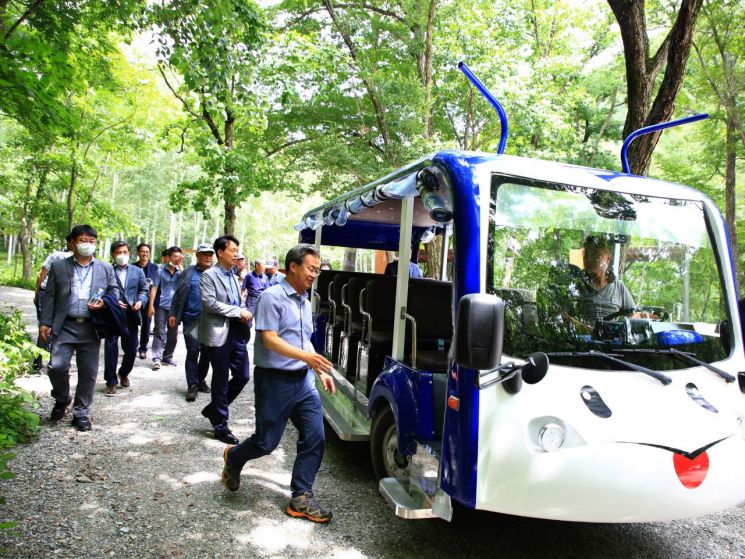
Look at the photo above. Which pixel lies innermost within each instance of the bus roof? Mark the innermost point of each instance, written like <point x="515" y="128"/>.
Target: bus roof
<point x="377" y="202"/>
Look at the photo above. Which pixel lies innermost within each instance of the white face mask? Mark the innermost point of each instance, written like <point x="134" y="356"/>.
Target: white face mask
<point x="122" y="259"/>
<point x="86" y="249"/>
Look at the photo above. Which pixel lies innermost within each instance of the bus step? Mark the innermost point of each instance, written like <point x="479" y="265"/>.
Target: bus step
<point x="411" y="503"/>
<point x="342" y="414"/>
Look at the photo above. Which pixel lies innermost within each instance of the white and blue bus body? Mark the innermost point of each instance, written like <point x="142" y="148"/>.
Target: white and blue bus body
<point x="639" y="419"/>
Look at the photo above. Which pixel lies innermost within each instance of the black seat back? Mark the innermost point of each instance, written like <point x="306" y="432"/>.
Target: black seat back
<point x="430" y="303"/>
<point x="380" y="301"/>
<point x="352" y="298"/>
<point x="322" y="288"/>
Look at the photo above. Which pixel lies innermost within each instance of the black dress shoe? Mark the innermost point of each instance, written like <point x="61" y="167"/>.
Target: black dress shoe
<point x="58" y="411"/>
<point x="226" y="436"/>
<point x="81" y="423"/>
<point x="191" y="393"/>
<point x="202" y="387"/>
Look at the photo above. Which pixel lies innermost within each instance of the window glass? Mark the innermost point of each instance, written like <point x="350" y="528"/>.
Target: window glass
<point x="582" y="269"/>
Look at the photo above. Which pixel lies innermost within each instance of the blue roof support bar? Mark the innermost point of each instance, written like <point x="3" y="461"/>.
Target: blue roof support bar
<point x="648" y="130"/>
<point x="494" y="103"/>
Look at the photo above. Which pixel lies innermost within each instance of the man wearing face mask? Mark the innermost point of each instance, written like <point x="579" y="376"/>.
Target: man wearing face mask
<point x="144" y="251"/>
<point x="133" y="294"/>
<point x="165" y="336"/>
<point x="75" y="289"/>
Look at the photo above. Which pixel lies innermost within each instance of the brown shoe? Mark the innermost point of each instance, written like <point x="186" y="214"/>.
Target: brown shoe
<point x="231" y="477"/>
<point x="111" y="390"/>
<point x="124" y="381"/>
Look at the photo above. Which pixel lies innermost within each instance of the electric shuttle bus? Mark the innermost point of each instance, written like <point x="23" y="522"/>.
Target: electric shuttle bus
<point x="504" y="382"/>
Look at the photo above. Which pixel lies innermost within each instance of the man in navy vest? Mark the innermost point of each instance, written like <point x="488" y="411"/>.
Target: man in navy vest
<point x="186" y="307"/>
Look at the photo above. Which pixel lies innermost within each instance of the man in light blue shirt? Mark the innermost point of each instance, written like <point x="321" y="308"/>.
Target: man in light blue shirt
<point x="164" y="335"/>
<point x="284" y="384"/>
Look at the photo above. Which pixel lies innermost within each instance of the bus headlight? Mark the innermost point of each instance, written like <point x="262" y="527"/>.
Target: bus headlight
<point x="551" y="437"/>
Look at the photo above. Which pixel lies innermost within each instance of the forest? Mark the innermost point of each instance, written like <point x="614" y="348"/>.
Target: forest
<point x="173" y="121"/>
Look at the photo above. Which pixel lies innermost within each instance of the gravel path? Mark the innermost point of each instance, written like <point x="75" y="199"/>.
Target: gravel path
<point x="145" y="483"/>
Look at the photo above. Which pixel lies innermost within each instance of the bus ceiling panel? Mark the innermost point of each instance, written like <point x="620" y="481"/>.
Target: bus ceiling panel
<point x="361" y="234"/>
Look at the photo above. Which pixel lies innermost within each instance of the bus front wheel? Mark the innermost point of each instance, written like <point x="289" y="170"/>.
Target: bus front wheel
<point x="386" y="460"/>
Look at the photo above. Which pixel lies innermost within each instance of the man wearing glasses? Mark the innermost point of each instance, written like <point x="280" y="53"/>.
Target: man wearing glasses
<point x="284" y="384"/>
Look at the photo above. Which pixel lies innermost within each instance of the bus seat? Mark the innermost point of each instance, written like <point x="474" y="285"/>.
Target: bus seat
<point x="353" y="324"/>
<point x="377" y="341"/>
<point x="430" y="303"/>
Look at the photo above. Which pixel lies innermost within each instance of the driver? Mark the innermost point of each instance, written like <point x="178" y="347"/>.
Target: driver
<point x="600" y="293"/>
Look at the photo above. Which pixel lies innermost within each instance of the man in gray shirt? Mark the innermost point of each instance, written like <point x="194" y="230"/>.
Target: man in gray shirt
<point x="284" y="384"/>
<point x="600" y="293"/>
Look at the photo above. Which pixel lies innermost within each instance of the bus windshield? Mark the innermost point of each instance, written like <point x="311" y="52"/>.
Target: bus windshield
<point x="581" y="269"/>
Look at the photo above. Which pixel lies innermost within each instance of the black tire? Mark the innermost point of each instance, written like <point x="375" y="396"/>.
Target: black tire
<point x="386" y="462"/>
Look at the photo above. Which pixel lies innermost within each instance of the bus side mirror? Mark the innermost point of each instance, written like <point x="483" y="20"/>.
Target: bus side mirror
<point x="478" y="334"/>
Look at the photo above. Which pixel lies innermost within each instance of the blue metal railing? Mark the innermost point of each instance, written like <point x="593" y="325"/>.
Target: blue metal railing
<point x="653" y="128"/>
<point x="493" y="100"/>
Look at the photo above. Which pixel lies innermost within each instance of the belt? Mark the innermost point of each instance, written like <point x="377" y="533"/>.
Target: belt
<point x="287" y="372"/>
<point x="78" y="319"/>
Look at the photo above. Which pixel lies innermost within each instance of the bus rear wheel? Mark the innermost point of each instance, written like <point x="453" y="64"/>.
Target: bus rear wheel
<point x="386" y="460"/>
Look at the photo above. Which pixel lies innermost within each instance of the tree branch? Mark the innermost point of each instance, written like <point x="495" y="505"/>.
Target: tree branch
<point x="23" y="17"/>
<point x="654" y="65"/>
<point x="175" y="94"/>
<point x="372" y="94"/>
<point x="271" y="152"/>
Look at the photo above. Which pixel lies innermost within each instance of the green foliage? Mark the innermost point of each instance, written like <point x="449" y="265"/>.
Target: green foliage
<point x="18" y="420"/>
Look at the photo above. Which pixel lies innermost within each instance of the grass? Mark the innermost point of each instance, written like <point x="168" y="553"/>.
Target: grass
<point x="12" y="274"/>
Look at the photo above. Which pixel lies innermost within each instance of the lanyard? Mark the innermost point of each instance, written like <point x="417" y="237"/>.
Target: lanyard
<point x="83" y="277"/>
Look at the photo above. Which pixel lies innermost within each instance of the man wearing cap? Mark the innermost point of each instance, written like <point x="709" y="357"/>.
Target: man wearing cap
<point x="254" y="284"/>
<point x="272" y="272"/>
<point x="186" y="307"/>
<point x="240" y="269"/>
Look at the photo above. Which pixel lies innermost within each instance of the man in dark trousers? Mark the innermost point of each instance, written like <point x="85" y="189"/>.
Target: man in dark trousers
<point x="144" y="252"/>
<point x="186" y="307"/>
<point x="74" y="292"/>
<point x="284" y="384"/>
<point x="164" y="336"/>
<point x="133" y="295"/>
<point x="222" y="328"/>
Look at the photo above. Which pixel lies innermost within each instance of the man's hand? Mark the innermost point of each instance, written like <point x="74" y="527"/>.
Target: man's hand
<point x="123" y="305"/>
<point x="137" y="306"/>
<point x="98" y="306"/>
<point x="327" y="382"/>
<point x="150" y="311"/>
<point x="171" y="321"/>
<point x="44" y="332"/>
<point x="245" y="315"/>
<point x="318" y="363"/>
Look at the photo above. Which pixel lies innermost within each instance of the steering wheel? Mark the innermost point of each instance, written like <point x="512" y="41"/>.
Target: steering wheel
<point x="664" y="315"/>
<point x="622" y="312"/>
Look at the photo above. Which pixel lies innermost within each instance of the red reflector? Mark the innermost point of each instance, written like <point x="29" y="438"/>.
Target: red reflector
<point x="691" y="473"/>
<point x="453" y="403"/>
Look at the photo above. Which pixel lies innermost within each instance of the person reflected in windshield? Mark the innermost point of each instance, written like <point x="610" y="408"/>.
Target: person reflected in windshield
<point x="600" y="294"/>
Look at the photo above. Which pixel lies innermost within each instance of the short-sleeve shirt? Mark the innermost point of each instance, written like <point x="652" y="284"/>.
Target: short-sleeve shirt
<point x="281" y="309"/>
<point x="166" y="283"/>
<point x="56" y="255"/>
<point x="595" y="303"/>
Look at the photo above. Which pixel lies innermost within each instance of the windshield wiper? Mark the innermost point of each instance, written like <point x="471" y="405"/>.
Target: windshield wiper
<point x="664" y="379"/>
<point x="684" y="355"/>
